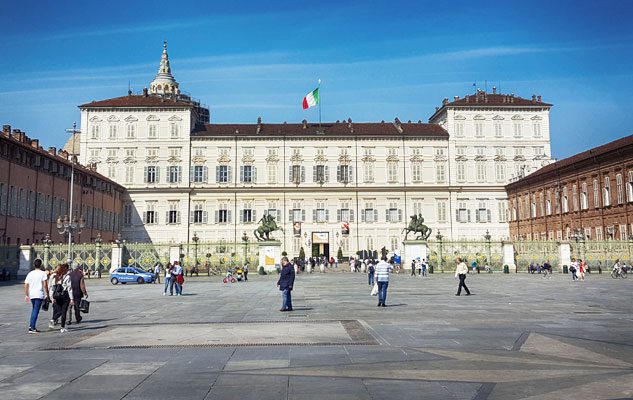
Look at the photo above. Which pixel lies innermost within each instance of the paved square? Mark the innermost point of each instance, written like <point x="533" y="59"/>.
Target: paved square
<point x="518" y="337"/>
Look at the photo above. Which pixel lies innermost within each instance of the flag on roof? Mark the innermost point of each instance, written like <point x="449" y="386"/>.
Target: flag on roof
<point x="311" y="99"/>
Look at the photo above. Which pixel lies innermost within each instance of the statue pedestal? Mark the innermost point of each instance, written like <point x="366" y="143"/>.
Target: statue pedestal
<point x="269" y="255"/>
<point x="414" y="249"/>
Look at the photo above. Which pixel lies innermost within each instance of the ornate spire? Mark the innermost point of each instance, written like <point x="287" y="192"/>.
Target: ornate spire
<point x="164" y="82"/>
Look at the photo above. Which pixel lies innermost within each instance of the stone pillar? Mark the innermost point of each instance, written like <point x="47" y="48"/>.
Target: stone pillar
<point x="508" y="255"/>
<point x="26" y="260"/>
<point x="117" y="256"/>
<point x="269" y="255"/>
<point x="174" y="253"/>
<point x="412" y="250"/>
<point x="564" y="254"/>
<point x="97" y="257"/>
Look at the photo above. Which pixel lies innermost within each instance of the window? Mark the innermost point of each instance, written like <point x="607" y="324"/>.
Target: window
<point x="557" y="200"/>
<point x="152" y="152"/>
<point x="248" y="214"/>
<point x="533" y="207"/>
<point x="320" y="174"/>
<point x="345" y="214"/>
<point x="393" y="214"/>
<point x="518" y="152"/>
<point x="94" y="132"/>
<point x="462" y="214"/>
<point x="223" y="174"/>
<point x="481" y="171"/>
<point x="541" y="204"/>
<point x="565" y="200"/>
<point x="461" y="171"/>
<point x="131" y="131"/>
<point x="392" y="172"/>
<point x="151" y="174"/>
<point x="629" y="187"/>
<point x="224" y="151"/>
<point x="368" y="169"/>
<point x="174" y="152"/>
<point x="344" y="173"/>
<point x="574" y="196"/>
<point x="127" y="214"/>
<point x="607" y="192"/>
<point x="439" y="152"/>
<point x="461" y="150"/>
<point x="599" y="233"/>
<point x="271" y="172"/>
<point x="479" y="129"/>
<point x="199" y="173"/>
<point x="483" y="213"/>
<point x="248" y="174"/>
<point x="296" y="213"/>
<point x="152" y="132"/>
<point x="499" y="152"/>
<point x="498" y="132"/>
<point x="536" y="130"/>
<point x="198" y="215"/>
<point x="112" y="171"/>
<point x="223" y="214"/>
<point x="320" y="213"/>
<point x="440" y="172"/>
<point x="416" y="171"/>
<point x="112" y="153"/>
<point x="173" y="215"/>
<point x="502" y="206"/>
<point x="539" y="151"/>
<point x="272" y="151"/>
<point x="150" y="216"/>
<point x="174" y="174"/>
<point x="273" y="211"/>
<point x="517" y="130"/>
<point x="94" y="153"/>
<point x="441" y="210"/>
<point x="198" y="152"/>
<point x="480" y="151"/>
<point x="112" y="133"/>
<point x="369" y="214"/>
<point x="619" y="187"/>
<point x="596" y="194"/>
<point x="500" y="172"/>
<point x="622" y="231"/>
<point x="296" y="174"/>
<point x="417" y="206"/>
<point x="367" y="151"/>
<point x="584" y="199"/>
<point x="130" y="153"/>
<point x="392" y="151"/>
<point x="175" y="131"/>
<point x="459" y="129"/>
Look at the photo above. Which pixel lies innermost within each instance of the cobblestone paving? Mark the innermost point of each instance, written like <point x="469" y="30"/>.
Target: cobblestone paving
<point x="518" y="337"/>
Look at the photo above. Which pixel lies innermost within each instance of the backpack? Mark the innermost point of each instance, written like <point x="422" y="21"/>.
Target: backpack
<point x="58" y="291"/>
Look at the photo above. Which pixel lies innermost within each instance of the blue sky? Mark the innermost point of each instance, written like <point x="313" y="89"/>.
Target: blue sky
<point x="376" y="59"/>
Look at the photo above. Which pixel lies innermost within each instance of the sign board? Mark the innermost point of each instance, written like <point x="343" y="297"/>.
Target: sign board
<point x="320" y="237"/>
<point x="296" y="229"/>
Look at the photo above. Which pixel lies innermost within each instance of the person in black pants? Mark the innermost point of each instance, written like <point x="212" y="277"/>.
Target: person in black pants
<point x="79" y="290"/>
<point x="286" y="282"/>
<point x="460" y="272"/>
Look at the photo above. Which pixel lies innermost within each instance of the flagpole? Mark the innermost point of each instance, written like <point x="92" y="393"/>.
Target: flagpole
<point x="319" y="88"/>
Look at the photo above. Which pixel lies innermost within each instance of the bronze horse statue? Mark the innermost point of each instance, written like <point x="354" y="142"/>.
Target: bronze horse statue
<point x="416" y="225"/>
<point x="268" y="225"/>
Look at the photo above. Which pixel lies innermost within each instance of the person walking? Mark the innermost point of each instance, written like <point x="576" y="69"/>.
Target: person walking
<point x="78" y="283"/>
<point x="245" y="269"/>
<point x="573" y="268"/>
<point x="460" y="272"/>
<point x="371" y="270"/>
<point x="178" y="278"/>
<point x="382" y="277"/>
<point x="61" y="293"/>
<point x="157" y="273"/>
<point x="413" y="267"/>
<point x="35" y="291"/>
<point x="168" y="282"/>
<point x="286" y="283"/>
<point x="581" y="269"/>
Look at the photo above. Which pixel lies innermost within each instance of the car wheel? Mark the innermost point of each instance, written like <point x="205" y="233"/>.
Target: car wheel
<point x="114" y="281"/>
<point x="140" y="280"/>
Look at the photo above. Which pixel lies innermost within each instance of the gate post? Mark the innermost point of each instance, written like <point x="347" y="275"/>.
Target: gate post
<point x="98" y="242"/>
<point x="508" y="254"/>
<point x="26" y="260"/>
<point x="564" y="251"/>
<point x="47" y="250"/>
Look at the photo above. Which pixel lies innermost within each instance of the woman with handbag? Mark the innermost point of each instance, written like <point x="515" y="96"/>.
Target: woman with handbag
<point x="61" y="293"/>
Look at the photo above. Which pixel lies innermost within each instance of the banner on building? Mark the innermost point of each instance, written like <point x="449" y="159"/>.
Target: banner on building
<point x="320" y="237"/>
<point x="296" y="229"/>
<point x="345" y="228"/>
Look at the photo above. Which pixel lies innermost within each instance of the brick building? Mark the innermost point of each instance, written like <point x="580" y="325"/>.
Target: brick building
<point x="34" y="192"/>
<point x="589" y="193"/>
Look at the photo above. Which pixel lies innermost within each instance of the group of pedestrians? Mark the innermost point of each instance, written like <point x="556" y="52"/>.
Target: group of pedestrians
<point x="577" y="268"/>
<point x="63" y="289"/>
<point x="174" y="278"/>
<point x="421" y="266"/>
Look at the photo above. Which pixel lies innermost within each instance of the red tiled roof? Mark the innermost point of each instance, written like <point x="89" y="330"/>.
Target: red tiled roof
<point x="491" y="100"/>
<point x="138" y="101"/>
<point x="572" y="163"/>
<point x="340" y="129"/>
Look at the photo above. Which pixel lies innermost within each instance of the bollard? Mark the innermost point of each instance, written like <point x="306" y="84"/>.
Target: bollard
<point x="565" y="269"/>
<point x="506" y="269"/>
<point x="430" y="269"/>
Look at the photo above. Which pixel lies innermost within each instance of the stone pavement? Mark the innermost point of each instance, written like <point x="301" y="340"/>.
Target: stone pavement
<point x="518" y="337"/>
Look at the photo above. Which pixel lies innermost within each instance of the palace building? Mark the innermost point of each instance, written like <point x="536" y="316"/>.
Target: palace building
<point x="344" y="184"/>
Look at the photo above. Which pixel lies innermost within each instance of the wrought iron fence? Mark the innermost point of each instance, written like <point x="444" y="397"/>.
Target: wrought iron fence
<point x="145" y="255"/>
<point x="603" y="253"/>
<point x="9" y="259"/>
<point x="444" y="253"/>
<point x="536" y="252"/>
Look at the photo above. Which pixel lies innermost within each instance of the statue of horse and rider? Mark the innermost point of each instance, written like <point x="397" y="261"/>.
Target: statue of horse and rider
<point x="416" y="225"/>
<point x="268" y="225"/>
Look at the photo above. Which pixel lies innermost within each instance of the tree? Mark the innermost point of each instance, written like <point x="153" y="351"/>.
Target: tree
<point x="339" y="254"/>
<point x="302" y="254"/>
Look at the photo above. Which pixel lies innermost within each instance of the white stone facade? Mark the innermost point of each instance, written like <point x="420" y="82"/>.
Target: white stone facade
<point x="455" y="181"/>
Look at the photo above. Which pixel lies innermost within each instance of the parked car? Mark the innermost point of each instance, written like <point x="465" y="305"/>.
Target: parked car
<point x="131" y="274"/>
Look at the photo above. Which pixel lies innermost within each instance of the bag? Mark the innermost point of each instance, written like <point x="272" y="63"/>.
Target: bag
<point x="45" y="304"/>
<point x="58" y="292"/>
<point x="374" y="289"/>
<point x="572" y="269"/>
<point x="180" y="279"/>
<point x="84" y="306"/>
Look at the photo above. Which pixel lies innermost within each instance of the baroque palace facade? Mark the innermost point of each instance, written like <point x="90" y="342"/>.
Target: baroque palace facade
<point x="343" y="184"/>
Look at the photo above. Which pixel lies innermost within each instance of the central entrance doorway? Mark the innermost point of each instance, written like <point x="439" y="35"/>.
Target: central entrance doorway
<point x="321" y="244"/>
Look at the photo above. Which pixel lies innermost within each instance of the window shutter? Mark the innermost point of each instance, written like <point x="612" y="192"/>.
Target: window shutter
<point x="241" y="173"/>
<point x="278" y="216"/>
<point x="253" y="215"/>
<point x="217" y="174"/>
<point x="290" y="173"/>
<point x="375" y="215"/>
<point x="191" y="174"/>
<point x="326" y="174"/>
<point x="351" y="216"/>
<point x="303" y="215"/>
<point x="399" y="215"/>
<point x="157" y="174"/>
<point x="230" y="173"/>
<point x="167" y="217"/>
<point x="155" y="218"/>
<point x="145" y="174"/>
<point x="177" y="217"/>
<point x="242" y="216"/>
<point x="314" y="173"/>
<point x="205" y="174"/>
<point x="338" y="215"/>
<point x="327" y="215"/>
<point x="387" y="215"/>
<point x="468" y="215"/>
<point x="205" y="217"/>
<point x="362" y="215"/>
<point x="192" y="217"/>
<point x="254" y="174"/>
<point x="217" y="216"/>
<point x="228" y="215"/>
<point x="457" y="215"/>
<point x="290" y="216"/>
<point x="303" y="174"/>
<point x="314" y="215"/>
<point x="476" y="216"/>
<point x="144" y="217"/>
<point x="349" y="169"/>
<point x="179" y="174"/>
<point x="489" y="215"/>
<point x="339" y="177"/>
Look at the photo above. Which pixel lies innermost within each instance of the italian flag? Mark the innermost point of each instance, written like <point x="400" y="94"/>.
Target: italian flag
<point x="311" y="99"/>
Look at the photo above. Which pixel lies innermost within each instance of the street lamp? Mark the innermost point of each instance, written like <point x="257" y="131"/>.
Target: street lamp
<point x="195" y="240"/>
<point x="439" y="250"/>
<point x="579" y="237"/>
<point x="245" y="240"/>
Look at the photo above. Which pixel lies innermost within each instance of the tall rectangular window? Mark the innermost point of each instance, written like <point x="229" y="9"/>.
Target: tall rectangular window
<point x="131" y="131"/>
<point x="174" y="174"/>
<point x="479" y="129"/>
<point x="629" y="186"/>
<point x="175" y="131"/>
<point x="151" y="174"/>
<point x="247" y="174"/>
<point x="199" y="215"/>
<point x="199" y="174"/>
<point x="462" y="214"/>
<point x="502" y="206"/>
<point x="459" y="129"/>
<point x="481" y="171"/>
<point x="112" y="133"/>
<point x="153" y="131"/>
<point x="517" y="130"/>
<point x="461" y="171"/>
<point x="223" y="174"/>
<point x="173" y="215"/>
<point x="320" y="174"/>
<point x="500" y="172"/>
<point x="296" y="174"/>
<point x="248" y="214"/>
<point x="344" y="173"/>
<point x="127" y="214"/>
<point x="94" y="131"/>
<point x="536" y="129"/>
<point x="498" y="131"/>
<point x="393" y="214"/>
<point x="320" y="213"/>
<point x="607" y="192"/>
<point x="441" y="210"/>
<point x="574" y="196"/>
<point x="150" y="216"/>
<point x="619" y="186"/>
<point x="584" y="199"/>
<point x="392" y="172"/>
<point x="440" y="173"/>
<point x="596" y="194"/>
<point x="271" y="172"/>
<point x="416" y="171"/>
<point x="369" y="214"/>
<point x="368" y="170"/>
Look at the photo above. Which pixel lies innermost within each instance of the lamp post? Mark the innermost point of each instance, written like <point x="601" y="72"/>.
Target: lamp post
<point x="439" y="241"/>
<point x="579" y="237"/>
<point x="195" y="240"/>
<point x="98" y="242"/>
<point x="308" y="242"/>
<point x="245" y="240"/>
<point x="487" y="237"/>
<point x="47" y="249"/>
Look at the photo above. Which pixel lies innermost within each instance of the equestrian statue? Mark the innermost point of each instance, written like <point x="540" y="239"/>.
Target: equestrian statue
<point x="416" y="225"/>
<point x="268" y="225"/>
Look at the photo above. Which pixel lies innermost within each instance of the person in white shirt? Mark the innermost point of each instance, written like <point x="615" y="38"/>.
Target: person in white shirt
<point x="36" y="290"/>
<point x="460" y="272"/>
<point x="157" y="273"/>
<point x="382" y="278"/>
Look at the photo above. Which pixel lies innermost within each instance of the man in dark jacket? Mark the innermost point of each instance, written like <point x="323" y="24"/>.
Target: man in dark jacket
<point x="286" y="282"/>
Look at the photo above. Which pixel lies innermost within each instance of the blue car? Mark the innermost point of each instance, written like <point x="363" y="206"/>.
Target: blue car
<point x="131" y="274"/>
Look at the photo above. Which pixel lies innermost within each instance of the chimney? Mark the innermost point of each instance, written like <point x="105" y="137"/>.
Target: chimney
<point x="436" y="109"/>
<point x="305" y="124"/>
<point x="6" y="129"/>
<point x="64" y="154"/>
<point x="467" y="98"/>
<point x="259" y="124"/>
<point x="445" y="101"/>
<point x="455" y="98"/>
<point x="494" y="90"/>
<point x="129" y="92"/>
<point x="538" y="98"/>
<point x="52" y="150"/>
<point x="409" y="121"/>
<point x="35" y="143"/>
<point x="145" y="94"/>
<point x="349" y="122"/>
<point x="419" y="121"/>
<point x="533" y="98"/>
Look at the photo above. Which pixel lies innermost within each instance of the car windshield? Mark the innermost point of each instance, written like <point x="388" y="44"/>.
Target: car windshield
<point x="139" y="270"/>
